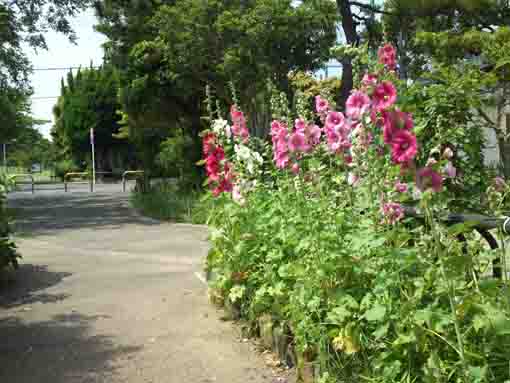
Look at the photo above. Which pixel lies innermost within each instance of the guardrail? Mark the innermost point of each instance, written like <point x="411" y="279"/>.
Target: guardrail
<point x="15" y="176"/>
<point x="76" y="174"/>
<point x="128" y="173"/>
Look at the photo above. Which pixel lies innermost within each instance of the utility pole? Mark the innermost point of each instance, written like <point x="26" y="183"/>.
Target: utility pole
<point x="93" y="184"/>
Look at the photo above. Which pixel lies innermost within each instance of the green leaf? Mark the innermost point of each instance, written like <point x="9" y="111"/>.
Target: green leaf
<point x="376" y="313"/>
<point x="339" y="315"/>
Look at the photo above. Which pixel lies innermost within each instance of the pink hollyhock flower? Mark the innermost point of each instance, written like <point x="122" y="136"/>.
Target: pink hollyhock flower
<point x="314" y="134"/>
<point x="335" y="120"/>
<point x="384" y="96"/>
<point x="404" y="147"/>
<point x="427" y="178"/>
<point x="393" y="212"/>
<point x="297" y="142"/>
<point x="499" y="184"/>
<point x="388" y="56"/>
<point x="353" y="179"/>
<point x="300" y="125"/>
<point x="393" y="121"/>
<point x="321" y="105"/>
<point x="369" y="80"/>
<point x="282" y="160"/>
<point x="237" y="195"/>
<point x="401" y="187"/>
<point x="357" y="104"/>
<point x="295" y="168"/>
<point x="450" y="170"/>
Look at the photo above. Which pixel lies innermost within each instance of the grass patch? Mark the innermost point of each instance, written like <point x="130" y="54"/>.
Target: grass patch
<point x="167" y="202"/>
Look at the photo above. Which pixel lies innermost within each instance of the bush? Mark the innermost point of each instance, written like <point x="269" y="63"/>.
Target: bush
<point x="167" y="201"/>
<point x="8" y="254"/>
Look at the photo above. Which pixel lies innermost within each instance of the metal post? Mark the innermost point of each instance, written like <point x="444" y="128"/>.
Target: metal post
<point x="65" y="185"/>
<point x="5" y="157"/>
<point x="93" y="183"/>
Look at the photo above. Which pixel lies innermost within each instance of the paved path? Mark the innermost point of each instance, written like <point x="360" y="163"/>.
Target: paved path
<point x="104" y="295"/>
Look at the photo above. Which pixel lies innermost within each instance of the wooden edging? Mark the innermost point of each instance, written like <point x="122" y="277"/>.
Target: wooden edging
<point x="273" y="336"/>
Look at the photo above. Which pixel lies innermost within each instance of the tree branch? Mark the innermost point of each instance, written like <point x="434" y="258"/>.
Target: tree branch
<point x="486" y="117"/>
<point x="370" y="8"/>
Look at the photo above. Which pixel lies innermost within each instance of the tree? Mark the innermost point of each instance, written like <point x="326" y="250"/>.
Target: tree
<point x="168" y="52"/>
<point x="89" y="100"/>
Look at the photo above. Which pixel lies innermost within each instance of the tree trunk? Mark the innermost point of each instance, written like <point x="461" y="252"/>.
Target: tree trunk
<point x="352" y="38"/>
<point x="504" y="156"/>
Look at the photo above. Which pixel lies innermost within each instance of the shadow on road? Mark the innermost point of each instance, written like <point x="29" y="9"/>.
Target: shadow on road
<point x="52" y="212"/>
<point x="29" y="281"/>
<point x="60" y="350"/>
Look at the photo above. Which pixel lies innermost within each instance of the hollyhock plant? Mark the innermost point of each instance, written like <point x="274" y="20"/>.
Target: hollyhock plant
<point x="392" y="212"/>
<point x="404" y="147"/>
<point x="388" y="56"/>
<point x="297" y="142"/>
<point x="369" y="80"/>
<point x="450" y="170"/>
<point x="321" y="105"/>
<point x="401" y="187"/>
<point x="428" y="178"/>
<point x="384" y="96"/>
<point x="335" y="120"/>
<point x="357" y="104"/>
<point x="394" y="120"/>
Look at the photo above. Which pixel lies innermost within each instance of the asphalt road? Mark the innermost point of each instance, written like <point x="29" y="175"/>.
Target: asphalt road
<point x="104" y="295"/>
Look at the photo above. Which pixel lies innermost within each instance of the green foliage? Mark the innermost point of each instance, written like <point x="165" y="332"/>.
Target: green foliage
<point x="170" y="202"/>
<point x="89" y="100"/>
<point x="363" y="300"/>
<point x="8" y="254"/>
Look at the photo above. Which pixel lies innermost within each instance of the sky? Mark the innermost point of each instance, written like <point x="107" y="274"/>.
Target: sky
<point x="62" y="54"/>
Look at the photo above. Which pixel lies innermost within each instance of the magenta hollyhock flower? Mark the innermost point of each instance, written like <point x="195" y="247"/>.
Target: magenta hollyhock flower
<point x="297" y="142"/>
<point x="369" y="80"/>
<point x="404" y="147"/>
<point x="392" y="212"/>
<point x="335" y="119"/>
<point x="321" y="105"/>
<point x="427" y="178"/>
<point x="384" y="96"/>
<point x="401" y="187"/>
<point x="275" y="127"/>
<point x="393" y="121"/>
<point x="357" y="104"/>
<point x="388" y="56"/>
<point x="450" y="170"/>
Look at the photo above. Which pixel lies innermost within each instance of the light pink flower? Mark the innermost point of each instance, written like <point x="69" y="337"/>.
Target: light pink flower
<point x="295" y="168"/>
<point x="335" y="119"/>
<point x="300" y="125"/>
<point x="427" y="178"/>
<point x="321" y="105"/>
<point x="450" y="170"/>
<point x="282" y="160"/>
<point x="237" y="196"/>
<point x="404" y="147"/>
<point x="448" y="153"/>
<point x="499" y="184"/>
<point x="392" y="212"/>
<point x="357" y="104"/>
<point x="388" y="56"/>
<point x="384" y="96"/>
<point x="314" y="134"/>
<point x="352" y="179"/>
<point x="297" y="142"/>
<point x="401" y="187"/>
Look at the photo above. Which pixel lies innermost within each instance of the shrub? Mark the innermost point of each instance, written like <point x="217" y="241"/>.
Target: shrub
<point x="8" y="254"/>
<point x="168" y="201"/>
